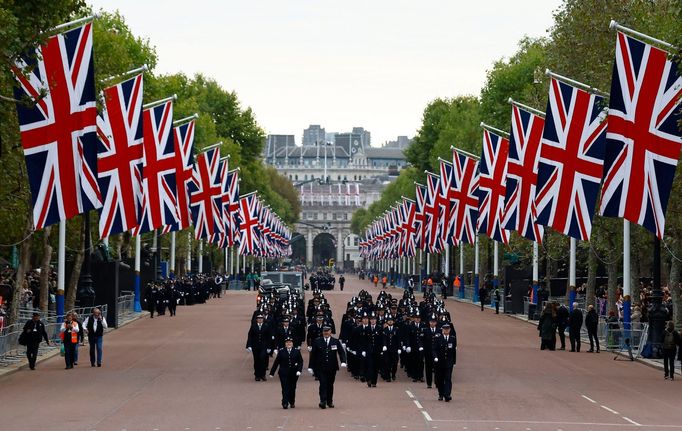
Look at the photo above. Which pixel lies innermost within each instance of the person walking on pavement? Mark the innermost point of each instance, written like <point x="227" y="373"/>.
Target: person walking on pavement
<point x="69" y="336"/>
<point x="32" y="334"/>
<point x="497" y="300"/>
<point x="444" y="353"/>
<point x="430" y="334"/>
<point x="592" y="323"/>
<point x="547" y="328"/>
<point x="342" y="281"/>
<point x="575" y="324"/>
<point x="95" y="325"/>
<point x="290" y="363"/>
<point x="324" y="364"/>
<point x="562" y="317"/>
<point x="259" y="343"/>
<point x="372" y="355"/>
<point x="81" y="337"/>
<point x="671" y="339"/>
<point x="391" y="349"/>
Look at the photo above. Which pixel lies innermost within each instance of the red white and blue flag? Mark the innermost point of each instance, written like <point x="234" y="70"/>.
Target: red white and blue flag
<point x="419" y="218"/>
<point x="409" y="228"/>
<point x="520" y="211"/>
<point x="205" y="195"/>
<point x="448" y="202"/>
<point x="248" y="227"/>
<point x="571" y="160"/>
<point x="491" y="186"/>
<point x="432" y="222"/>
<point x="183" y="139"/>
<point x="232" y="216"/>
<point x="466" y="195"/>
<point x="159" y="203"/>
<point x="59" y="131"/>
<point x="119" y="162"/>
<point x="643" y="137"/>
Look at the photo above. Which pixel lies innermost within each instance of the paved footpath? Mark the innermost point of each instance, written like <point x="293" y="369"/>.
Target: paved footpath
<point x="191" y="372"/>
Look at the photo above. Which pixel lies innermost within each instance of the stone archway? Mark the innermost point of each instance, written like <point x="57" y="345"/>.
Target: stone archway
<point x="298" y="247"/>
<point x="324" y="248"/>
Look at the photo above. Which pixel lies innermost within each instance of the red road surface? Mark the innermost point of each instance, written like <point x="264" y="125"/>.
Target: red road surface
<point x="191" y="372"/>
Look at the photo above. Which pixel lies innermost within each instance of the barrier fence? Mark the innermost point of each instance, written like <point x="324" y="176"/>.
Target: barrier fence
<point x="125" y="307"/>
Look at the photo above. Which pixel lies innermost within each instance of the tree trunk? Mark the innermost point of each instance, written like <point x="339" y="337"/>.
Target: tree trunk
<point x="612" y="270"/>
<point x="675" y="288"/>
<point x="72" y="287"/>
<point x="22" y="269"/>
<point x="591" y="289"/>
<point x="45" y="269"/>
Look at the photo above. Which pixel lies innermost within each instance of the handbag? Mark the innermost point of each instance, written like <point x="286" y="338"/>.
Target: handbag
<point x="62" y="352"/>
<point x="23" y="338"/>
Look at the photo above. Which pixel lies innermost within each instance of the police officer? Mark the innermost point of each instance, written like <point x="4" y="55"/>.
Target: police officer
<point x="372" y="355"/>
<point x="290" y="363"/>
<point x="444" y="358"/>
<point x="324" y="364"/>
<point x="430" y="334"/>
<point x="391" y="349"/>
<point x="284" y="333"/>
<point x="342" y="281"/>
<point x="260" y="344"/>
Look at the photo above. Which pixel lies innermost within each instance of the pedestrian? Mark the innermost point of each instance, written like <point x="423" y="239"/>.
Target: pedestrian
<point x="592" y="323"/>
<point x="483" y="293"/>
<point x="497" y="300"/>
<point x="376" y="280"/>
<point x="575" y="324"/>
<point x="342" y="281"/>
<point x="260" y="343"/>
<point x="324" y="363"/>
<point x="290" y="363"/>
<point x="445" y="358"/>
<point x="150" y="298"/>
<point x="384" y="281"/>
<point x="69" y="336"/>
<point x="547" y="328"/>
<point x="31" y="336"/>
<point x="81" y="335"/>
<point x="671" y="339"/>
<point x="95" y="325"/>
<point x="562" y="316"/>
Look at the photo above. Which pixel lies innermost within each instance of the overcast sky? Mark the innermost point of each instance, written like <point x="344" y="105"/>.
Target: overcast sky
<point x="369" y="63"/>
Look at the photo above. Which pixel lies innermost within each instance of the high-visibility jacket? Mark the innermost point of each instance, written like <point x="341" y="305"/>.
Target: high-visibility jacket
<point x="74" y="332"/>
<point x="457" y="283"/>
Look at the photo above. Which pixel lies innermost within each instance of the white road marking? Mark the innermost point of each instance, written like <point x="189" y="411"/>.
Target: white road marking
<point x="409" y="394"/>
<point x="609" y="409"/>
<point x="426" y="416"/>
<point x="631" y="421"/>
<point x="598" y="424"/>
<point x="418" y="404"/>
<point x="589" y="399"/>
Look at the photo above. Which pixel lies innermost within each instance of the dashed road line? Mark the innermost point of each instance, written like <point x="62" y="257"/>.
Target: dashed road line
<point x="426" y="416"/>
<point x="409" y="394"/>
<point x="589" y="399"/>
<point x="631" y="421"/>
<point x="609" y="409"/>
<point x="418" y="404"/>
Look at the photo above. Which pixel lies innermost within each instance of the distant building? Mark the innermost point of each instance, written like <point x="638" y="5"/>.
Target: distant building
<point x="402" y="142"/>
<point x="313" y="134"/>
<point x="276" y="143"/>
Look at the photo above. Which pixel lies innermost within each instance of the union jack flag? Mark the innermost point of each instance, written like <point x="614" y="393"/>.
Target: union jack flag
<point x="643" y="140"/>
<point x="183" y="140"/>
<point x="159" y="203"/>
<point x="520" y="211"/>
<point x="119" y="127"/>
<point x="448" y="202"/>
<point x="222" y="238"/>
<point x="248" y="214"/>
<point x="571" y="160"/>
<point x="419" y="218"/>
<point x="432" y="226"/>
<point x="466" y="194"/>
<point x="59" y="131"/>
<point x="410" y="230"/>
<point x="205" y="195"/>
<point x="232" y="216"/>
<point x="491" y="186"/>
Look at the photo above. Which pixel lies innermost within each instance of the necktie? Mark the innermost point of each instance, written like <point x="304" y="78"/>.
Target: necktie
<point x="326" y="340"/>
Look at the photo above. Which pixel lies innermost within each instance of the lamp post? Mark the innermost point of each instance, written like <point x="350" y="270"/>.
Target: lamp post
<point x="86" y="295"/>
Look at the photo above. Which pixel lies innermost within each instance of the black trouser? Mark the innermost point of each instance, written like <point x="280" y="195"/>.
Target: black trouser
<point x="390" y="364"/>
<point x="372" y="363"/>
<point x="574" y="337"/>
<point x="288" y="382"/>
<point x="341" y="286"/>
<point x="260" y="362"/>
<point x="32" y="353"/>
<point x="669" y="362"/>
<point x="428" y="365"/>
<point x="562" y="336"/>
<point x="444" y="381"/>
<point x="548" y="344"/>
<point x="592" y="334"/>
<point x="497" y="306"/>
<point x="482" y="302"/>
<point x="151" y="309"/>
<point x="416" y="360"/>
<point x="326" y="386"/>
<point x="172" y="306"/>
<point x="69" y="352"/>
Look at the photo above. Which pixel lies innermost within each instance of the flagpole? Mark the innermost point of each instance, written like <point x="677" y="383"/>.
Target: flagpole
<point x="496" y="265"/>
<point x="571" y="273"/>
<point x="171" y="264"/>
<point x="613" y="25"/>
<point x="627" y="301"/>
<point x="188" y="266"/>
<point x="446" y="261"/>
<point x="73" y="23"/>
<point x="526" y="107"/>
<point x="461" y="270"/>
<point x="536" y="273"/>
<point x="138" y="251"/>
<point x="464" y="153"/>
<point x="132" y="72"/>
<point x="160" y="102"/>
<point x="185" y="120"/>
<point x="494" y="130"/>
<point x="61" y="265"/>
<point x="476" y="258"/>
<point x="575" y="83"/>
<point x="200" y="256"/>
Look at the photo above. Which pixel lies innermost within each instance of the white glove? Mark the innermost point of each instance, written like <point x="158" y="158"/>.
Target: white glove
<point x="249" y="349"/>
<point x="343" y="345"/>
<point x="400" y="351"/>
<point x="454" y="365"/>
<point x="298" y="373"/>
<point x="384" y="349"/>
<point x="435" y="359"/>
<point x="310" y="370"/>
<point x="343" y="365"/>
<point x="364" y="354"/>
<point x="275" y="352"/>
<point x="408" y="350"/>
<point x="268" y="351"/>
<point x="421" y="349"/>
<point x="310" y="349"/>
<point x="270" y="376"/>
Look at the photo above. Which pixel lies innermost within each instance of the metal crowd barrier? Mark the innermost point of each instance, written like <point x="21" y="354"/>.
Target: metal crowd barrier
<point x="235" y="285"/>
<point x="469" y="293"/>
<point x="125" y="308"/>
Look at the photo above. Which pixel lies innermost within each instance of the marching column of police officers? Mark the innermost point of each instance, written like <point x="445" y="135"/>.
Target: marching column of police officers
<point x="376" y="338"/>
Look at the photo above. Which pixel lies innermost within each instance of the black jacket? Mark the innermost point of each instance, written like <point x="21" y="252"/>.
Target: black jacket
<point x="445" y="351"/>
<point x="287" y="363"/>
<point x="428" y="339"/>
<point x="35" y="332"/>
<point x="562" y="317"/>
<point x="391" y="339"/>
<point x="325" y="357"/>
<point x="592" y="320"/>
<point x="575" y="320"/>
<point x="259" y="339"/>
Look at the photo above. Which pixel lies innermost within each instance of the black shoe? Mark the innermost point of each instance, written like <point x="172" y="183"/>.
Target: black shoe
<point x="374" y="385"/>
<point x="257" y="379"/>
<point x="666" y="377"/>
<point x="292" y="405"/>
<point x="92" y="364"/>
<point x="440" y="398"/>
<point x="33" y="368"/>
<point x="590" y="351"/>
<point x="284" y="406"/>
<point x="447" y="399"/>
<point x="75" y="363"/>
<point x="571" y="350"/>
<point x="428" y="387"/>
<point x="562" y="348"/>
<point x="369" y="385"/>
<point x="99" y="365"/>
<point x="362" y="379"/>
<point x="330" y="405"/>
<point x="322" y="406"/>
<point x="597" y="350"/>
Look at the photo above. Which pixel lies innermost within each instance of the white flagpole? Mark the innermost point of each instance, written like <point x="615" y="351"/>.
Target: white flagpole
<point x="446" y="261"/>
<point x="188" y="266"/>
<point x="496" y="264"/>
<point x="571" y="272"/>
<point x="171" y="264"/>
<point x="476" y="257"/>
<point x="200" y="255"/>
<point x="536" y="272"/>
<point x="138" y="260"/>
<point x="627" y="302"/>
<point x="61" y="267"/>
